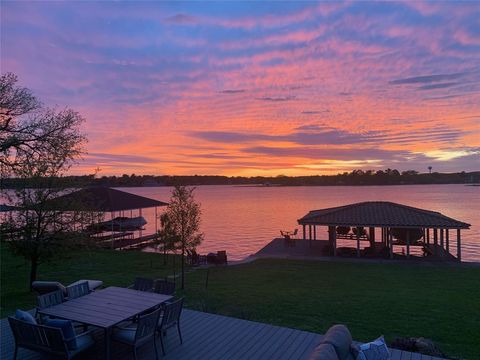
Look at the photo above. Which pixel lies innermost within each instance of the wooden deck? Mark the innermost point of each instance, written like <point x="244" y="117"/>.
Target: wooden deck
<point x="209" y="336"/>
<point x="300" y="248"/>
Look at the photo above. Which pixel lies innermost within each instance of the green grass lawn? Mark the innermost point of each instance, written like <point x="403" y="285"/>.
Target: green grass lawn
<point x="438" y="302"/>
<point x="113" y="267"/>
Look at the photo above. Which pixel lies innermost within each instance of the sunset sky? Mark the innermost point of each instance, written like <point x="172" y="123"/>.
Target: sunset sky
<point x="249" y="88"/>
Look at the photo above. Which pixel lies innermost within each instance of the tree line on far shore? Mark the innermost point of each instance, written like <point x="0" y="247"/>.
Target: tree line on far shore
<point x="355" y="177"/>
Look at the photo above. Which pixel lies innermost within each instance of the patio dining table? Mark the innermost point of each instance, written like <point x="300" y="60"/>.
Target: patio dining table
<point x="106" y="308"/>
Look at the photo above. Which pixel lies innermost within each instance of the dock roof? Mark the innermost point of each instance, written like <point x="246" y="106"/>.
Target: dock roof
<point x="380" y="214"/>
<point x="102" y="199"/>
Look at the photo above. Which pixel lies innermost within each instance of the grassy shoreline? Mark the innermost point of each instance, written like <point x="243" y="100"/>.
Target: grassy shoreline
<point x="437" y="302"/>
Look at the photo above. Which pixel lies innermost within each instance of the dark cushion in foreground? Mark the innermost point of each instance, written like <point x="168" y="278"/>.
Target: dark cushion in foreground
<point x="338" y="339"/>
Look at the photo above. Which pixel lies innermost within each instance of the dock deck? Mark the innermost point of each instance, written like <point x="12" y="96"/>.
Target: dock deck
<point x="312" y="249"/>
<point x="210" y="336"/>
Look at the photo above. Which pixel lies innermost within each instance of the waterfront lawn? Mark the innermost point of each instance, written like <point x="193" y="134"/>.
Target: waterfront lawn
<point x="117" y="268"/>
<point x="439" y="302"/>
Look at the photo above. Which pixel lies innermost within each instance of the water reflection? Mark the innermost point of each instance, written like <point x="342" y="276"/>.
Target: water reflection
<point x="243" y="219"/>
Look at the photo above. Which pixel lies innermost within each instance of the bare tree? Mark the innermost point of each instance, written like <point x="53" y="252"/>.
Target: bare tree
<point x="38" y="146"/>
<point x="29" y="131"/>
<point x="184" y="216"/>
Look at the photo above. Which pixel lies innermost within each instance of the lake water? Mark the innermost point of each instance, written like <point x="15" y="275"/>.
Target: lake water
<point x="242" y="219"/>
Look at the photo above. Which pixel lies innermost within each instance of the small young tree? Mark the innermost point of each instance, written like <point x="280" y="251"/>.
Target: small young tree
<point x="184" y="216"/>
<point x="166" y="237"/>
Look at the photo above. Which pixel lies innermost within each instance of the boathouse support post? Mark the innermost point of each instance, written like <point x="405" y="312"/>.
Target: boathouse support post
<point x="390" y="242"/>
<point x="408" y="243"/>
<point x="435" y="240"/>
<point x="428" y="236"/>
<point x="358" y="243"/>
<point x="314" y="232"/>
<point x="334" y="240"/>
<point x="310" y="235"/>
<point x="140" y="214"/>
<point x="459" y="247"/>
<point x="447" y="241"/>
<point x="113" y="238"/>
<point x="304" y="232"/>
<point x="441" y="241"/>
<point x="372" y="237"/>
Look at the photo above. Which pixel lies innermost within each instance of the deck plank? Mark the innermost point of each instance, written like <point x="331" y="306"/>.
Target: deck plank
<point x="210" y="336"/>
<point x="406" y="355"/>
<point x="395" y="354"/>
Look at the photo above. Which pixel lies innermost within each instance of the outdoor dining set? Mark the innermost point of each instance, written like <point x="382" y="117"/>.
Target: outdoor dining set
<point x="63" y="323"/>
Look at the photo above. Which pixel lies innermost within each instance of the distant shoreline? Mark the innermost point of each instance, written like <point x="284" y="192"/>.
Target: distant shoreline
<point x="354" y="178"/>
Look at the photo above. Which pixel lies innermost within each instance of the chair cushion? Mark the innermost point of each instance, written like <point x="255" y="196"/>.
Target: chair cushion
<point x="25" y="316"/>
<point x="341" y="339"/>
<point x="67" y="329"/>
<point x="83" y="343"/>
<point x="125" y="335"/>
<point x="324" y="352"/>
<point x="44" y="287"/>
<point x="375" y="350"/>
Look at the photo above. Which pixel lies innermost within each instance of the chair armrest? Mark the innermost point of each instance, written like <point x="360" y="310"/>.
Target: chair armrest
<point x="88" y="332"/>
<point x="130" y="287"/>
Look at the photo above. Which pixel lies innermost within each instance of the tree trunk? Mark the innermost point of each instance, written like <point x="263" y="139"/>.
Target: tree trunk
<point x="183" y="267"/>
<point x="174" y="269"/>
<point x="33" y="271"/>
<point x="165" y="253"/>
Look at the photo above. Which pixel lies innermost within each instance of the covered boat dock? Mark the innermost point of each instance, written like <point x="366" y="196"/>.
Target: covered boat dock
<point x="391" y="223"/>
<point x="120" y="231"/>
<point x="374" y="230"/>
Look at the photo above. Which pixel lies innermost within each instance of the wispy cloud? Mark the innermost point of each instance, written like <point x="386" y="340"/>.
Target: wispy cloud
<point x="314" y="112"/>
<point x="437" y="86"/>
<point x="427" y="78"/>
<point x="276" y="99"/>
<point x="181" y="19"/>
<point x="232" y="91"/>
<point x="121" y="158"/>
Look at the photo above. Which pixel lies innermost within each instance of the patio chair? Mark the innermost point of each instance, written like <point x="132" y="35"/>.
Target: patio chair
<point x="164" y="287"/>
<point x="139" y="333"/>
<point x="142" y="284"/>
<point x="47" y="300"/>
<point x="45" y="287"/>
<point x="47" y="340"/>
<point x="170" y="318"/>
<point x="78" y="290"/>
<point x="51" y="299"/>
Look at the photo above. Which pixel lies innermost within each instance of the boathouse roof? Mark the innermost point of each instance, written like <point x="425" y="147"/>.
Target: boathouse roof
<point x="380" y="214"/>
<point x="103" y="199"/>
